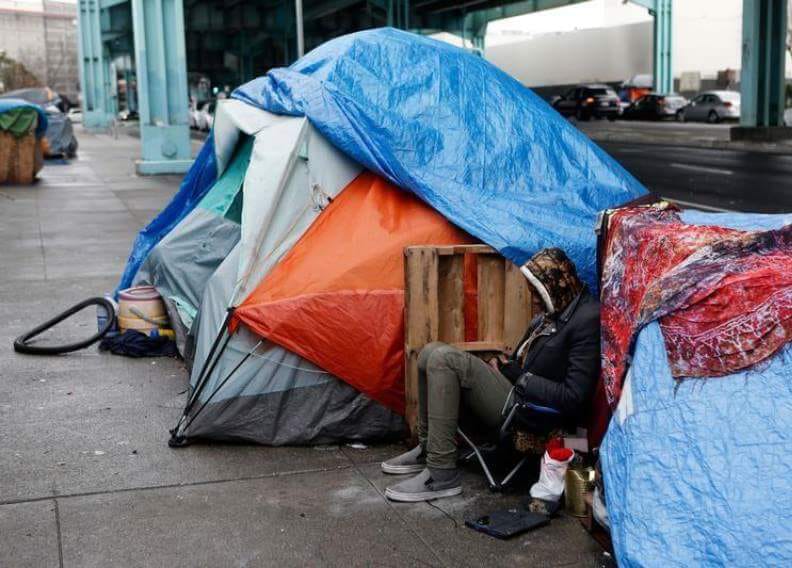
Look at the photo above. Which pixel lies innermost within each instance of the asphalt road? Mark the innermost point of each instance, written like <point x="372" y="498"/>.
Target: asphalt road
<point x="713" y="179"/>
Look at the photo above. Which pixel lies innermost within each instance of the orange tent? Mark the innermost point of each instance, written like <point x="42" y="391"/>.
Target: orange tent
<point x="337" y="298"/>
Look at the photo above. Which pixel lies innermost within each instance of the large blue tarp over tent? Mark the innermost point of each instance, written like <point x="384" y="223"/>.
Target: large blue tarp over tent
<point x="471" y="141"/>
<point x="475" y="144"/>
<point x="698" y="475"/>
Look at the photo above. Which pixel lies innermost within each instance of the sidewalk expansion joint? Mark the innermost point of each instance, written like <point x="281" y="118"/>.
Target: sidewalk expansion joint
<point x="176" y="485"/>
<point x="60" y="534"/>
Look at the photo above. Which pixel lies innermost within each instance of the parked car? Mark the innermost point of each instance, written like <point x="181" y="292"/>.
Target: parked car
<point x="712" y="107"/>
<point x="655" y="107"/>
<point x="205" y="115"/>
<point x="788" y="117"/>
<point x="42" y="96"/>
<point x="75" y="115"/>
<point x="589" y="101"/>
<point x="127" y="115"/>
<point x="192" y="113"/>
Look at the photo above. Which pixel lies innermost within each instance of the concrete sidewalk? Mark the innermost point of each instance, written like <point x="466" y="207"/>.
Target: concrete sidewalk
<point x="86" y="477"/>
<point x="689" y="135"/>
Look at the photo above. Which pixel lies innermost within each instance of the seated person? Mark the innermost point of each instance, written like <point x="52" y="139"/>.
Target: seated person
<point x="558" y="361"/>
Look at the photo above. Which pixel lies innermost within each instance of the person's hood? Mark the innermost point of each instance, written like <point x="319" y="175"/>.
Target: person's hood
<point x="554" y="277"/>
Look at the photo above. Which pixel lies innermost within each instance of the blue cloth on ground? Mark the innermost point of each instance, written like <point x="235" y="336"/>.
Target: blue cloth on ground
<point x="698" y="475"/>
<point x="479" y="147"/>
<point x="199" y="179"/>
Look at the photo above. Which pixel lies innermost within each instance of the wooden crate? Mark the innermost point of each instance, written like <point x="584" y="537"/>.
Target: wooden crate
<point x="434" y="306"/>
<point x="20" y="158"/>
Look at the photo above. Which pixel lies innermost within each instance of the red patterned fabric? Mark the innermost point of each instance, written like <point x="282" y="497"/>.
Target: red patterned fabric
<point x="723" y="297"/>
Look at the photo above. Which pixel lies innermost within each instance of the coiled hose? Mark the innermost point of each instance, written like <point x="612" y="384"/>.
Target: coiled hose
<point x="21" y="344"/>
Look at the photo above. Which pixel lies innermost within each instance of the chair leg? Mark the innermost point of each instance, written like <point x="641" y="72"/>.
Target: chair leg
<point x="513" y="472"/>
<point x="494" y="485"/>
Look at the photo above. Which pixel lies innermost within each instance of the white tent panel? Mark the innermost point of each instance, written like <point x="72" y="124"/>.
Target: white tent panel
<point x="293" y="174"/>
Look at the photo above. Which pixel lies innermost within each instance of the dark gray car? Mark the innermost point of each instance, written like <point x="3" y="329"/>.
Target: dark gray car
<point x="589" y="101"/>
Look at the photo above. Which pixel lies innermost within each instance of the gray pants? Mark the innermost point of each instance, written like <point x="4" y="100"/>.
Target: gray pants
<point x="446" y="378"/>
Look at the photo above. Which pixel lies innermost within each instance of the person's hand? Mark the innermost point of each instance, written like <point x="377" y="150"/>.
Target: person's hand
<point x="496" y="361"/>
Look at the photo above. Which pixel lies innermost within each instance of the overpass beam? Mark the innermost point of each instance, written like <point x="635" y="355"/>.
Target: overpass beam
<point x="763" y="63"/>
<point x="161" y="69"/>
<point x="663" y="58"/>
<point x="95" y="69"/>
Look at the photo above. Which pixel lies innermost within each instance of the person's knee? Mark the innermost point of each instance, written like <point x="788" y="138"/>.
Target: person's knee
<point x="426" y="353"/>
<point x="445" y="357"/>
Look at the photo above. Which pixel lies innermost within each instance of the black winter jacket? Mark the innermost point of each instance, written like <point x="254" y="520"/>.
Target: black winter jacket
<point x="565" y="362"/>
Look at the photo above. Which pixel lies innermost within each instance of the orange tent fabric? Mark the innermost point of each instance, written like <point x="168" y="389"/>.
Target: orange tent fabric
<point x="337" y="298"/>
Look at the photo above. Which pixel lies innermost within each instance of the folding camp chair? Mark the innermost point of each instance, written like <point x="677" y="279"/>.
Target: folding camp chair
<point x="543" y="414"/>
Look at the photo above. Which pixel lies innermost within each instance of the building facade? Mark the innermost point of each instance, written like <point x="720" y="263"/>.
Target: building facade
<point x="42" y="35"/>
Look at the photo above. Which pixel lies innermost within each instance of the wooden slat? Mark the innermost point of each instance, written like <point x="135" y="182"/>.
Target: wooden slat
<point x="490" y="298"/>
<point x="446" y="250"/>
<point x="517" y="305"/>
<point x="475" y="346"/>
<point x="421" y="319"/>
<point x="451" y="300"/>
<point x="462" y="249"/>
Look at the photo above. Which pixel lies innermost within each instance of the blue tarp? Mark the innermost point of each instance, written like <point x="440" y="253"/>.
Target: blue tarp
<point x="9" y="104"/>
<point x="698" y="475"/>
<point x="475" y="144"/>
<point x="196" y="183"/>
<point x="483" y="150"/>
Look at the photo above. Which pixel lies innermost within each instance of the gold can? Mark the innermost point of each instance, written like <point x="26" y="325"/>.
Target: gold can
<point x="578" y="482"/>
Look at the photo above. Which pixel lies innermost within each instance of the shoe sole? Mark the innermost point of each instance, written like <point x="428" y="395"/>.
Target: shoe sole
<point x="423" y="496"/>
<point x="401" y="469"/>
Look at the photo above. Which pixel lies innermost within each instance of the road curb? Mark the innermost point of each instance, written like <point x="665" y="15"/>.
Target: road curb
<point x="706" y="144"/>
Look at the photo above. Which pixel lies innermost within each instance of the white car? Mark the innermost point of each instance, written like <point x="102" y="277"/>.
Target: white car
<point x="712" y="107"/>
<point x="192" y="116"/>
<point x="75" y="114"/>
<point x="205" y="115"/>
<point x="788" y="117"/>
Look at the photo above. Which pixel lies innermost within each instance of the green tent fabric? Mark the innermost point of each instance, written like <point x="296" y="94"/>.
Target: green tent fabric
<point x="19" y="121"/>
<point x="224" y="198"/>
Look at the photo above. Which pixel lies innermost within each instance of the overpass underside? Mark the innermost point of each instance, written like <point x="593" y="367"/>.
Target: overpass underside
<point x="154" y="46"/>
<point x="142" y="52"/>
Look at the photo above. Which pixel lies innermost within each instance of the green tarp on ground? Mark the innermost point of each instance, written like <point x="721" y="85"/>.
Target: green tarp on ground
<point x="19" y="121"/>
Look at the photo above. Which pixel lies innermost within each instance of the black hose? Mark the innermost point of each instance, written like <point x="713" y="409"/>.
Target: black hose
<point x="21" y="343"/>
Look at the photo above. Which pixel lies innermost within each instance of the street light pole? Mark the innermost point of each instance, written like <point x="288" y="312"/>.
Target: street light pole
<point x="298" y="15"/>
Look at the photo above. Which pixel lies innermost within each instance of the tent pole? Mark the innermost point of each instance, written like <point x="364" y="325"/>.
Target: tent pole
<point x="211" y="361"/>
<point x="177" y="439"/>
<point x="221" y="385"/>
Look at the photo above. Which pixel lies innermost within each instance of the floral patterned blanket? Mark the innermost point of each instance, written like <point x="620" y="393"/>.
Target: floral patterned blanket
<point x="723" y="297"/>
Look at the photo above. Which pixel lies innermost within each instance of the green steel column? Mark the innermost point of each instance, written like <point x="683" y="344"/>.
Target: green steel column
<point x="663" y="12"/>
<point x="763" y="63"/>
<point x="663" y="59"/>
<point x="475" y="26"/>
<point x="161" y="61"/>
<point x="94" y="68"/>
